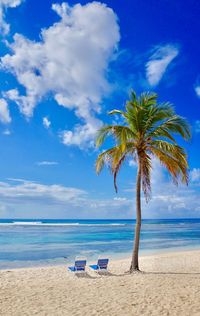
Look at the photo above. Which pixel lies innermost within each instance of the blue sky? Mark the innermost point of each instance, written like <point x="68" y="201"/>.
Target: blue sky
<point x="63" y="67"/>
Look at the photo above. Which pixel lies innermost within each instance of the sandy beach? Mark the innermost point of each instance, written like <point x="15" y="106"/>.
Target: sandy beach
<point x="169" y="285"/>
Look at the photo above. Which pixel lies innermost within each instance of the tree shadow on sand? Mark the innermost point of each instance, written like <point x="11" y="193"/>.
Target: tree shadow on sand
<point x="84" y="275"/>
<point x="171" y="273"/>
<point x="97" y="275"/>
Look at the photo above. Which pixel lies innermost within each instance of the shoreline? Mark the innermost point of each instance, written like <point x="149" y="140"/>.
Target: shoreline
<point x="169" y="285"/>
<point x="115" y="258"/>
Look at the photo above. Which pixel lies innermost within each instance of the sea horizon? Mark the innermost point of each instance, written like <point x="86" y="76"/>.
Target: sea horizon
<point x="92" y="219"/>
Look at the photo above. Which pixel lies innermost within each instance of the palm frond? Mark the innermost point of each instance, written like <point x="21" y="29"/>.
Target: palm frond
<point x="149" y="129"/>
<point x="117" y="112"/>
<point x="146" y="175"/>
<point x="175" y="124"/>
<point x="121" y="133"/>
<point x="104" y="157"/>
<point x="148" y="99"/>
<point x="116" y="170"/>
<point x="156" y="115"/>
<point x="161" y="132"/>
<point x="173" y="157"/>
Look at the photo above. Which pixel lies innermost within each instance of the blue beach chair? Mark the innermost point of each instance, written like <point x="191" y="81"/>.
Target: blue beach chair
<point x="79" y="265"/>
<point x="102" y="265"/>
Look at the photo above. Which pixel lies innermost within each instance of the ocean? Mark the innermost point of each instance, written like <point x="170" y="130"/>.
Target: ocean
<point x="26" y="243"/>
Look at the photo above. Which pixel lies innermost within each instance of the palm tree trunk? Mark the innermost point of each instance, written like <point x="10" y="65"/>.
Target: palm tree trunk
<point x="134" y="263"/>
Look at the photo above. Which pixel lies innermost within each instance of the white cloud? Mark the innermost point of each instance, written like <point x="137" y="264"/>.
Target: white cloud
<point x="4" y="5"/>
<point x="4" y="112"/>
<point x="169" y="200"/>
<point x="197" y="126"/>
<point x="120" y="199"/>
<point x="83" y="135"/>
<point x="157" y="174"/>
<point x="47" y="163"/>
<point x="28" y="199"/>
<point x="159" y="61"/>
<point x="6" y="132"/>
<point x="28" y="189"/>
<point x="132" y="163"/>
<point x="46" y="122"/>
<point x="84" y="41"/>
<point x="24" y="102"/>
<point x="197" y="90"/>
<point x="195" y="175"/>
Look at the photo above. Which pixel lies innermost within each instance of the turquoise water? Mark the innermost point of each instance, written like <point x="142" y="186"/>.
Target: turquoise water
<point x="43" y="242"/>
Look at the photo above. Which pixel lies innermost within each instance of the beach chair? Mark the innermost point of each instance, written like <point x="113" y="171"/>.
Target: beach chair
<point x="79" y="265"/>
<point x="102" y="265"/>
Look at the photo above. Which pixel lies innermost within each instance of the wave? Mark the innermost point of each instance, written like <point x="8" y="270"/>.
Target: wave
<point x="37" y="223"/>
<point x="22" y="223"/>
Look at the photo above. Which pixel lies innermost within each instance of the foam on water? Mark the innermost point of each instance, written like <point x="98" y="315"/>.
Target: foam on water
<point x="23" y="223"/>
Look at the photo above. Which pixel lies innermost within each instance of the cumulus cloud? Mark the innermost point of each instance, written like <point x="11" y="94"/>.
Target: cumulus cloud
<point x="46" y="122"/>
<point x="197" y="126"/>
<point x="4" y="112"/>
<point x="132" y="163"/>
<point x="82" y="135"/>
<point x="6" y="132"/>
<point x="24" y="102"/>
<point x="168" y="200"/>
<point x="195" y="175"/>
<point x="159" y="61"/>
<point x="28" y="199"/>
<point x="120" y="199"/>
<point x="4" y="5"/>
<point x="197" y="90"/>
<point x="47" y="163"/>
<point x="70" y="62"/>
<point x="29" y="190"/>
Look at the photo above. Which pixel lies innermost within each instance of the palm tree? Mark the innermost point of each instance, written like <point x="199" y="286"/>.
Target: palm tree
<point x="148" y="131"/>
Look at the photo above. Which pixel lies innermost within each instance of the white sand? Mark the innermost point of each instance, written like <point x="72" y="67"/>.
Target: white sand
<point x="169" y="286"/>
